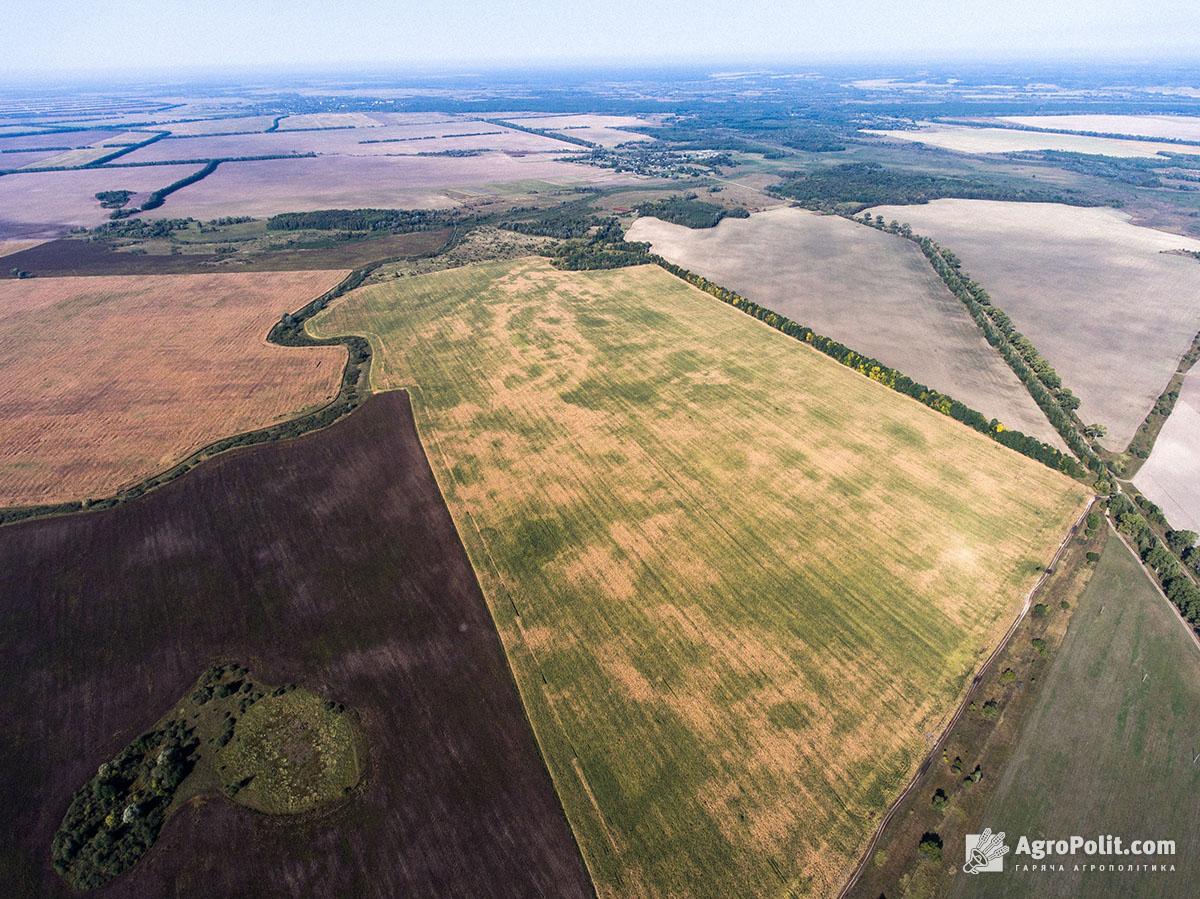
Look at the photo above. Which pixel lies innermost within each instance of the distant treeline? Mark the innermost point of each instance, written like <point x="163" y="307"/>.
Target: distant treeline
<point x="886" y="375"/>
<point x="689" y="211"/>
<point x="851" y="187"/>
<point x="556" y="135"/>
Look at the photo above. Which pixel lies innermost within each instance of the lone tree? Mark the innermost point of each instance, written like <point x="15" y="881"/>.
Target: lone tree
<point x="931" y="846"/>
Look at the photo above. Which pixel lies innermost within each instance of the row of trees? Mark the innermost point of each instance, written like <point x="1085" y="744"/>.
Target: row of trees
<point x="890" y="377"/>
<point x="1162" y="558"/>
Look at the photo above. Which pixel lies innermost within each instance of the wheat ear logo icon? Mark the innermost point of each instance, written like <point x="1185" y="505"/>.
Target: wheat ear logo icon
<point x="989" y="848"/>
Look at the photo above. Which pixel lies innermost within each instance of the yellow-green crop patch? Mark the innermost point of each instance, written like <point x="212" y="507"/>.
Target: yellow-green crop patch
<point x="739" y="583"/>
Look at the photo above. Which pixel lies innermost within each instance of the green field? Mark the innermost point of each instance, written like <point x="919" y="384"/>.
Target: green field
<point x="1109" y="747"/>
<point x="738" y="583"/>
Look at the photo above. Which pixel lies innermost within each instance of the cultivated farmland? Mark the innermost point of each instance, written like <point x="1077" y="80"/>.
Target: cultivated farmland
<point x="1171" y="476"/>
<point x="965" y="139"/>
<point x="1109" y="746"/>
<point x="738" y="582"/>
<point x="112" y="379"/>
<point x="330" y="562"/>
<point x="328" y="182"/>
<point x="45" y="204"/>
<point x="872" y="291"/>
<point x="1109" y="304"/>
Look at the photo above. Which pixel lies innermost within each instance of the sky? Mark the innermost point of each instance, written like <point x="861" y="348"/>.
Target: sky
<point x="63" y="37"/>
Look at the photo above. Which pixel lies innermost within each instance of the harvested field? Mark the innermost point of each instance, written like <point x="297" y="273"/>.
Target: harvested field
<point x="327" y="561"/>
<point x="1171" y="476"/>
<point x="114" y="379"/>
<point x="1176" y="127"/>
<point x="710" y="551"/>
<point x="328" y="120"/>
<point x="98" y="149"/>
<point x="48" y="204"/>
<point x="26" y="159"/>
<point x="71" y="256"/>
<point x="600" y="129"/>
<point x="1118" y="720"/>
<point x="414" y="182"/>
<point x="55" y="139"/>
<point x="385" y="141"/>
<point x="9" y="247"/>
<point x="965" y="139"/>
<point x="872" y="291"/>
<point x="1103" y="300"/>
<point x="220" y="126"/>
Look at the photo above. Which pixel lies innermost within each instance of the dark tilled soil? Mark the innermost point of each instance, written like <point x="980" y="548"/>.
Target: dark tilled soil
<point x="329" y="561"/>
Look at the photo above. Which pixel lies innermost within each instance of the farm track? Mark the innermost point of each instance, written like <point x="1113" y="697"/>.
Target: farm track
<point x="968" y="697"/>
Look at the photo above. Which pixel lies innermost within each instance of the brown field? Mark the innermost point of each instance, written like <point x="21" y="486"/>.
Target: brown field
<point x="111" y="379"/>
<point x="965" y="139"/>
<point x="46" y="204"/>
<point x="1098" y="296"/>
<point x="27" y="159"/>
<point x="872" y="291"/>
<point x="328" y="561"/>
<point x="9" y="247"/>
<point x="294" y="185"/>
<point x="1177" y="127"/>
<point x="69" y="256"/>
<point x="1171" y="476"/>
<point x="219" y="126"/>
<point x="58" y="139"/>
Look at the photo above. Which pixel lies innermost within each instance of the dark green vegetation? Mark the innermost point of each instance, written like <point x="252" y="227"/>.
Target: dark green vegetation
<point x="395" y="221"/>
<point x="114" y="199"/>
<point x="115" y="818"/>
<point x="344" y="574"/>
<point x="852" y="187"/>
<point x="557" y="135"/>
<point x="1116" y="720"/>
<point x="158" y="197"/>
<point x="606" y="247"/>
<point x="890" y="377"/>
<point x="689" y="211"/>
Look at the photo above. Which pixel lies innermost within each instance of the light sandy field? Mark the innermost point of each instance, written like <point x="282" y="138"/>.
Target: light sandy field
<point x="1171" y="476"/>
<point x="601" y="129"/>
<point x="1098" y="296"/>
<point x="328" y="120"/>
<point x="329" y="182"/>
<point x="8" y="247"/>
<point x="112" y="379"/>
<point x="384" y="140"/>
<point x="100" y="148"/>
<point x="873" y="292"/>
<point x="46" y="204"/>
<point x="965" y="139"/>
<point x="1151" y="126"/>
<point x="737" y="581"/>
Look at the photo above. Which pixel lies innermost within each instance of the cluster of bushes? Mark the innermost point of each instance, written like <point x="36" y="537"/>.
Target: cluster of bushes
<point x="605" y="248"/>
<point x="113" y="199"/>
<point x="565" y="221"/>
<point x="890" y="377"/>
<point x="142" y="229"/>
<point x="1162" y="559"/>
<point x="854" y="186"/>
<point x="1038" y="376"/>
<point x="689" y="211"/>
<point x="114" y="818"/>
<point x="394" y="221"/>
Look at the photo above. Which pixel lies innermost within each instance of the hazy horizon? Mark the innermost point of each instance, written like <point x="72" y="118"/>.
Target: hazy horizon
<point x="72" y="39"/>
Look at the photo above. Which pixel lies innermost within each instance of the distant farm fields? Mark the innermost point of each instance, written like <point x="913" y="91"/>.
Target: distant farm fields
<point x="738" y="583"/>
<point x="112" y="379"/>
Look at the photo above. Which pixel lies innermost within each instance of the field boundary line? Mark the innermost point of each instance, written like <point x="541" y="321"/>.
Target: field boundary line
<point x="1049" y="569"/>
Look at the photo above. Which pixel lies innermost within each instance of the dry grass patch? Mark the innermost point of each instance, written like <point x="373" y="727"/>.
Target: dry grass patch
<point x="115" y="378"/>
<point x="872" y="291"/>
<point x="1103" y="300"/>
<point x="802" y="609"/>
